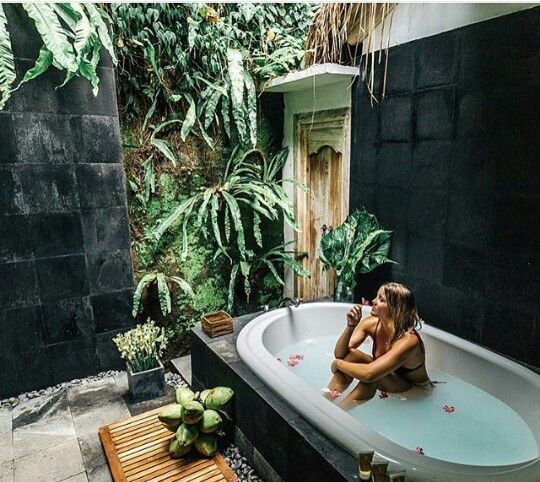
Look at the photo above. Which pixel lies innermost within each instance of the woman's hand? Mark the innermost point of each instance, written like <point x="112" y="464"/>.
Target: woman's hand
<point x="354" y="315"/>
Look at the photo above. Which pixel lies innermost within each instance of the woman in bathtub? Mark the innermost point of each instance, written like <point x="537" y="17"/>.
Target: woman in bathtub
<point x="398" y="356"/>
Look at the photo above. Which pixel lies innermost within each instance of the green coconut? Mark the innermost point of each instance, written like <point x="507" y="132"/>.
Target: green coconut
<point x="210" y="421"/>
<point x="177" y="450"/>
<point x="171" y="416"/>
<point x="192" y="412"/>
<point x="184" y="395"/>
<point x="186" y="434"/>
<point x="206" y="444"/>
<point x="218" y="397"/>
<point x="203" y="395"/>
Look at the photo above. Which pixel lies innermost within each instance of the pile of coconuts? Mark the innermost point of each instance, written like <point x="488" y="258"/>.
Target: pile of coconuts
<point x="195" y="417"/>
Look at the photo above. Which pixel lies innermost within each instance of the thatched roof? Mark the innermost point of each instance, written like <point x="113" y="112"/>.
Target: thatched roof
<point x="340" y="29"/>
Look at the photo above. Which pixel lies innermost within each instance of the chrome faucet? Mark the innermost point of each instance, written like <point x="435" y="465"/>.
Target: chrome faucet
<point x="290" y="302"/>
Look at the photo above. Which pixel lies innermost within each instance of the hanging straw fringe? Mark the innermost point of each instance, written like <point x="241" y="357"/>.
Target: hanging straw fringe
<point x="339" y="26"/>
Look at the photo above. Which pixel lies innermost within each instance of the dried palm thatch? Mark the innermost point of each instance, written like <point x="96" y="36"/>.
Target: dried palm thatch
<point x="340" y="29"/>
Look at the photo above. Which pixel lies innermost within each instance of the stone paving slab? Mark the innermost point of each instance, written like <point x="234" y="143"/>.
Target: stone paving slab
<point x="100" y="474"/>
<point x="5" y="420"/>
<point x="43" y="434"/>
<point x="82" y="477"/>
<point x="183" y="367"/>
<point x="50" y="465"/>
<point x="6" y="472"/>
<point x="6" y="447"/>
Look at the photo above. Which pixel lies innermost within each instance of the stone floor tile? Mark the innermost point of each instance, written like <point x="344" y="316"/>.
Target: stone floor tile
<point x="121" y="382"/>
<point x="95" y="394"/>
<point x="6" y="472"/>
<point x="43" y="434"/>
<point x="100" y="474"/>
<point x="94" y="417"/>
<point x="183" y="367"/>
<point x="40" y="408"/>
<point x="6" y="447"/>
<point x="50" y="465"/>
<point x="77" y="478"/>
<point x="141" y="407"/>
<point x="92" y="450"/>
<point x="5" y="420"/>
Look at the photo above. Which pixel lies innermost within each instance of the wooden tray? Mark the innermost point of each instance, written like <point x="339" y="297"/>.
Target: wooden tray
<point x="138" y="449"/>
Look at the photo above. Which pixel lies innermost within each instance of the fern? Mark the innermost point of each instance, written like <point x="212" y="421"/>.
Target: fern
<point x="7" y="63"/>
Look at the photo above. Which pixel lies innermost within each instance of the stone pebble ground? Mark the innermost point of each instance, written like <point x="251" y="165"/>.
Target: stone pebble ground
<point x="232" y="455"/>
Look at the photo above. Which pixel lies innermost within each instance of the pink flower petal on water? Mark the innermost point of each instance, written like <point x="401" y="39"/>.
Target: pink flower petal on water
<point x="448" y="408"/>
<point x="383" y="395"/>
<point x="292" y="363"/>
<point x="419" y="451"/>
<point x="334" y="393"/>
<point x="299" y="357"/>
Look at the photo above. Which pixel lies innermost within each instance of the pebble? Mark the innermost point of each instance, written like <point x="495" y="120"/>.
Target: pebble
<point x="240" y="465"/>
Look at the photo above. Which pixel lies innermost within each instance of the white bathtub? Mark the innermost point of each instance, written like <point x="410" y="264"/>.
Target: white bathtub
<point x="511" y="383"/>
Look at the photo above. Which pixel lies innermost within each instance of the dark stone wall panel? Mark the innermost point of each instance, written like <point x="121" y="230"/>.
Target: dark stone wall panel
<point x="458" y="179"/>
<point x="62" y="277"/>
<point x="66" y="280"/>
<point x="56" y="234"/>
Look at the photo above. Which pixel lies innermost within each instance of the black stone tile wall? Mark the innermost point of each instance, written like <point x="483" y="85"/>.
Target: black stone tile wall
<point x="65" y="262"/>
<point x="450" y="161"/>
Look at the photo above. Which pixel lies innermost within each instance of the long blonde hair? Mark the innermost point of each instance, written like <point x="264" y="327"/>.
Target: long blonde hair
<point x="403" y="311"/>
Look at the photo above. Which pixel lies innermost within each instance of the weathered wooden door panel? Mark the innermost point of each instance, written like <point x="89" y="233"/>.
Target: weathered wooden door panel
<point x="321" y="159"/>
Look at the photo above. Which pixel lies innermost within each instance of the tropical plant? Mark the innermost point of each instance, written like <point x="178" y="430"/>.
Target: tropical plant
<point x="73" y="35"/>
<point x="164" y="293"/>
<point x="356" y="246"/>
<point x="142" y="346"/>
<point x="200" y="64"/>
<point x="254" y="262"/>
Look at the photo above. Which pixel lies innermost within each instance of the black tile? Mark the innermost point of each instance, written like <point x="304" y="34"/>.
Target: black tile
<point x="14" y="245"/>
<point x="72" y="359"/>
<point x="11" y="195"/>
<point x="47" y="138"/>
<point x="517" y="223"/>
<point x="34" y="371"/>
<point x="18" y="284"/>
<point x="509" y="287"/>
<point x="396" y="118"/>
<point x="8" y="147"/>
<point x="101" y="185"/>
<point x="431" y="164"/>
<point x="76" y="96"/>
<point x="401" y="66"/>
<point x="62" y="277"/>
<point x="394" y="164"/>
<point x="362" y="195"/>
<point x="105" y="229"/>
<point x="425" y="258"/>
<point x="435" y="114"/>
<point x="461" y="314"/>
<point x="364" y="163"/>
<point x="392" y="207"/>
<point x="466" y="269"/>
<point x="9" y="378"/>
<point x="479" y="112"/>
<point x="504" y="49"/>
<point x="112" y="310"/>
<point x="427" y="294"/>
<point x="365" y="115"/>
<point x="473" y="165"/>
<point x="110" y="271"/>
<point x="510" y="333"/>
<point x="49" y="188"/>
<point x="398" y="250"/>
<point x="101" y="140"/>
<point x="25" y="40"/>
<point x="56" y="234"/>
<point x="22" y="329"/>
<point x="67" y="319"/>
<point x="428" y="212"/>
<point x="437" y="60"/>
<point x="107" y="351"/>
<point x="471" y="219"/>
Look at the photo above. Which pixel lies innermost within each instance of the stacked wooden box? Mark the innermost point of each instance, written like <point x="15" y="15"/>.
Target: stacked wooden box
<point x="217" y="323"/>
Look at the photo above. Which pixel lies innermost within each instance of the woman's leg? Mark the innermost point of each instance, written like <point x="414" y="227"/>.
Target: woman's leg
<point x="340" y="381"/>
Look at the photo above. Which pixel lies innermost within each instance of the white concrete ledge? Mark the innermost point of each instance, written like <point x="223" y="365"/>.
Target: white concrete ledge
<point x="312" y="77"/>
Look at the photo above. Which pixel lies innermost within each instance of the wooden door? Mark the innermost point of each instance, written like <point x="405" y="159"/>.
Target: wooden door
<point x="321" y="164"/>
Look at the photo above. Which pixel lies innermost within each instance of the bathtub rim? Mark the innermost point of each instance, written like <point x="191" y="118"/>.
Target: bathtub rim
<point x="326" y="415"/>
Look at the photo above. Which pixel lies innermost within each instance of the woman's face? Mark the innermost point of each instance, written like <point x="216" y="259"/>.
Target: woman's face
<point x="380" y="306"/>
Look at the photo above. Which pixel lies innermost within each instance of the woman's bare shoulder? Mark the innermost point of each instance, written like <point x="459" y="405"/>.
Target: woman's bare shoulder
<point x="369" y="323"/>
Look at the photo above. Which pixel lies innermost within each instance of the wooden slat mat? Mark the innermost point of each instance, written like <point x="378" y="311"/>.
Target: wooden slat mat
<point x="138" y="449"/>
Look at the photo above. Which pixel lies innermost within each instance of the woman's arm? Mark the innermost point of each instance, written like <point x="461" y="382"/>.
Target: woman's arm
<point x="369" y="372"/>
<point x="341" y="349"/>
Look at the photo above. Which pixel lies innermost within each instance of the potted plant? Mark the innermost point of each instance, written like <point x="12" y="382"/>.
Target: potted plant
<point x="356" y="246"/>
<point x="142" y="347"/>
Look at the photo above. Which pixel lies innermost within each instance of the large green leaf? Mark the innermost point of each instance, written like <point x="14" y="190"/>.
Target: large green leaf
<point x="102" y="30"/>
<point x="236" y="217"/>
<point x="232" y="284"/>
<point x="251" y="106"/>
<point x="189" y="120"/>
<point x="54" y="36"/>
<point x="137" y="295"/>
<point x="235" y="71"/>
<point x="165" y="148"/>
<point x="184" y="285"/>
<point x="164" y="294"/>
<point x="43" y="62"/>
<point x="211" y="107"/>
<point x="7" y="62"/>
